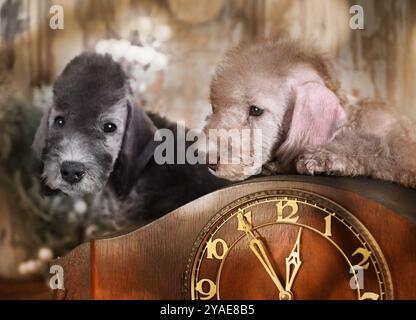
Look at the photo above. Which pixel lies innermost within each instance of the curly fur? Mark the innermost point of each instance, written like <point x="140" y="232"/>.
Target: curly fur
<point x="126" y="184"/>
<point x="309" y="124"/>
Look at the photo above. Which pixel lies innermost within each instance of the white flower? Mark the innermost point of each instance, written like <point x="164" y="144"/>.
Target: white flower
<point x="33" y="266"/>
<point x="29" y="267"/>
<point x="132" y="53"/>
<point x="91" y="230"/>
<point x="145" y="55"/>
<point x="22" y="269"/>
<point x="45" y="254"/>
<point x="102" y="47"/>
<point x="160" y="62"/>
<point x="116" y="52"/>
<point x="162" y="33"/>
<point x="80" y="206"/>
<point x="145" y="25"/>
<point x="124" y="45"/>
<point x="137" y="71"/>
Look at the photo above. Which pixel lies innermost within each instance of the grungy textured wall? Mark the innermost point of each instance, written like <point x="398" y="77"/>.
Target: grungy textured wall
<point x="379" y="61"/>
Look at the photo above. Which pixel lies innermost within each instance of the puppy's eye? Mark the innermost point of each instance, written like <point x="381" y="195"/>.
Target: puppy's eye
<point x="59" y="121"/>
<point x="255" y="111"/>
<point x="109" y="127"/>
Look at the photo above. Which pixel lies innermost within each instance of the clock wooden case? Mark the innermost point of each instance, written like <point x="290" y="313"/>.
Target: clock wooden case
<point x="283" y="238"/>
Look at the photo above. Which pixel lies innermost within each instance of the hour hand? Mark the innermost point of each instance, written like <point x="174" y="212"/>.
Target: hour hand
<point x="293" y="263"/>
<point x="258" y="248"/>
<point x="256" y="245"/>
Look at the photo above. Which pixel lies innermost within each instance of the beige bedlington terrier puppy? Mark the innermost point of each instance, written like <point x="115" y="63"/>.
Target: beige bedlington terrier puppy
<point x="308" y="124"/>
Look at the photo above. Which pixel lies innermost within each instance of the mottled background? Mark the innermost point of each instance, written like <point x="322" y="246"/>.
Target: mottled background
<point x="180" y="42"/>
<point x="378" y="61"/>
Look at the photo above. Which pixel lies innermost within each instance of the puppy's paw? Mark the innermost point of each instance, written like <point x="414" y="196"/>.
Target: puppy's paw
<point x="272" y="167"/>
<point x="319" y="162"/>
<point x="408" y="180"/>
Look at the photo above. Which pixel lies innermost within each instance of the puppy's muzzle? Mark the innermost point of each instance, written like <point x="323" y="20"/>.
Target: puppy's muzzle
<point x="72" y="172"/>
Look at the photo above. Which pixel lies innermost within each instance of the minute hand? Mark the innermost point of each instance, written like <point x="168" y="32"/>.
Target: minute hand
<point x="293" y="260"/>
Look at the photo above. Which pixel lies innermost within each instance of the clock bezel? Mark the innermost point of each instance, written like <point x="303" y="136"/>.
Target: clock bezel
<point x="324" y="203"/>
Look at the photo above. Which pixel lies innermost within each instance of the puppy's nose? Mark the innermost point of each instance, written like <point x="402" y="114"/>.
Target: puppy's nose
<point x="72" y="172"/>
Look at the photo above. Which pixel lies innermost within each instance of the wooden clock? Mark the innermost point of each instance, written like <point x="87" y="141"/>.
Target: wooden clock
<point x="280" y="238"/>
<point x="287" y="244"/>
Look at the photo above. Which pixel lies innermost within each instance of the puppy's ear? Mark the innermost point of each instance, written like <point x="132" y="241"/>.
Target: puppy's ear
<point x="39" y="142"/>
<point x="311" y="120"/>
<point x="137" y="148"/>
<point x="316" y="115"/>
<point x="38" y="147"/>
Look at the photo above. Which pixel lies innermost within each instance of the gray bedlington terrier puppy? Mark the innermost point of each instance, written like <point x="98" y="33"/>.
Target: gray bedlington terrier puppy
<point x="94" y="140"/>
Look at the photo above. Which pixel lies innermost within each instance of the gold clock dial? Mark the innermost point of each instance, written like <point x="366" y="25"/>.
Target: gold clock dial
<point x="286" y="244"/>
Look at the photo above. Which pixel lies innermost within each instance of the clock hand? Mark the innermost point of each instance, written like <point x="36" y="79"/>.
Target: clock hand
<point x="293" y="260"/>
<point x="257" y="246"/>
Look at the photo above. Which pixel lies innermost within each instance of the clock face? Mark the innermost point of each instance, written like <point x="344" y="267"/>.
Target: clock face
<point x="286" y="244"/>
